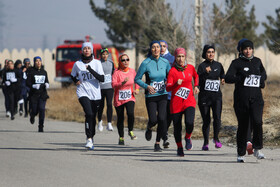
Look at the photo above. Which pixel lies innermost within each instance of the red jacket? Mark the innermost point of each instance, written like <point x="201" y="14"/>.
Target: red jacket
<point x="182" y="95"/>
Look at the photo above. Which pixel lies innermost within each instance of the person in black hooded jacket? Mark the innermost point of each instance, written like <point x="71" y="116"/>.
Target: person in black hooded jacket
<point x="248" y="75"/>
<point x="211" y="76"/>
<point x="37" y="81"/>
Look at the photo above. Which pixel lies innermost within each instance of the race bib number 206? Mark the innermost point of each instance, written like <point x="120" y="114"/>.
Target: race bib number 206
<point x="124" y="94"/>
<point x="252" y="81"/>
<point x="183" y="92"/>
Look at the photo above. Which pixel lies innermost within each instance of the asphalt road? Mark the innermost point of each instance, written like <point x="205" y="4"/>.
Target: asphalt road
<point x="57" y="157"/>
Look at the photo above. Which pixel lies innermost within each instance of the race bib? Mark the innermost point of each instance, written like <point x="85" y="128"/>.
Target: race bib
<point x="86" y="76"/>
<point x="212" y="85"/>
<point x="107" y="79"/>
<point x="10" y="75"/>
<point x="158" y="86"/>
<point x="183" y="92"/>
<point x="252" y="81"/>
<point x="125" y="94"/>
<point x="40" y="79"/>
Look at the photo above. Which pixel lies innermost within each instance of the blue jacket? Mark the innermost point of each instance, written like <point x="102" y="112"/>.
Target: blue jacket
<point x="171" y="60"/>
<point x="156" y="71"/>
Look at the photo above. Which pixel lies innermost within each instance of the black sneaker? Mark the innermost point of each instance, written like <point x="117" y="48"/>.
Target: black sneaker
<point x="25" y="115"/>
<point x="165" y="144"/>
<point x="12" y="117"/>
<point x="188" y="144"/>
<point x="40" y="129"/>
<point x="121" y="141"/>
<point x="157" y="148"/>
<point x="180" y="152"/>
<point x="148" y="134"/>
<point x="32" y="119"/>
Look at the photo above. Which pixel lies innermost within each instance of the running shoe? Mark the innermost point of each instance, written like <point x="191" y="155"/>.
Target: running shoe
<point x="25" y="115"/>
<point x="148" y="134"/>
<point x="100" y="126"/>
<point x="40" y="129"/>
<point x="121" y="141"/>
<point x="165" y="144"/>
<point x="157" y="148"/>
<point x="12" y="117"/>
<point x="205" y="147"/>
<point x="188" y="144"/>
<point x="258" y="154"/>
<point x="180" y="152"/>
<point x="241" y="159"/>
<point x="110" y="127"/>
<point x="8" y="114"/>
<point x="32" y="119"/>
<point x="218" y="144"/>
<point x="132" y="136"/>
<point x="250" y="148"/>
<point x="20" y="112"/>
<point x="89" y="143"/>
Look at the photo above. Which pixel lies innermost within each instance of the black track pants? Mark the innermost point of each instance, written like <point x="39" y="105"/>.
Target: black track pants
<point x="130" y="117"/>
<point x="108" y="95"/>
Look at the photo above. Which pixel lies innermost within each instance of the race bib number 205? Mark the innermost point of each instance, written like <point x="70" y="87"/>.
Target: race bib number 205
<point x="183" y="92"/>
<point x="252" y="81"/>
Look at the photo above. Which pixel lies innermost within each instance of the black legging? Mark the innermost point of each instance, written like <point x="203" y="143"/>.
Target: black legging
<point x="216" y="106"/>
<point x="108" y="94"/>
<point x="156" y="107"/>
<point x="177" y="122"/>
<point x="6" y="95"/>
<point x="90" y="108"/>
<point x="130" y="117"/>
<point x="38" y="106"/>
<point x="12" y="95"/>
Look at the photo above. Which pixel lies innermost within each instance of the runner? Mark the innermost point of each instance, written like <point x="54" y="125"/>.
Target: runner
<point x="11" y="79"/>
<point x="179" y="81"/>
<point x="248" y="75"/>
<point x="38" y="83"/>
<point x="4" y="90"/>
<point x="124" y="97"/>
<point x="211" y="75"/>
<point x="156" y="69"/>
<point x="18" y="66"/>
<point x="24" y="88"/>
<point x="165" y="54"/>
<point x="106" y="90"/>
<point x="87" y="74"/>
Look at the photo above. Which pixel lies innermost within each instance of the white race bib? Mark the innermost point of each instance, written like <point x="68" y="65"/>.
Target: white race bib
<point x="252" y="81"/>
<point x="212" y="85"/>
<point x="40" y="79"/>
<point x="10" y="75"/>
<point x="158" y="86"/>
<point x="107" y="79"/>
<point x="125" y="94"/>
<point x="183" y="92"/>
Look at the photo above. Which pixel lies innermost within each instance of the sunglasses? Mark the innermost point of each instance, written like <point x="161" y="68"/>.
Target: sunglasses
<point x="123" y="60"/>
<point x="103" y="50"/>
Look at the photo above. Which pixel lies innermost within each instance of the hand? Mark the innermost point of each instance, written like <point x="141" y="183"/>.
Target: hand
<point x="136" y="92"/>
<point x="179" y="82"/>
<point x="196" y="90"/>
<point x="13" y="80"/>
<point x="47" y="85"/>
<point x="36" y="86"/>
<point x="208" y="69"/>
<point x="125" y="80"/>
<point x="222" y="81"/>
<point x="151" y="89"/>
<point x="7" y="83"/>
<point x="78" y="83"/>
<point x="86" y="66"/>
<point x="24" y="70"/>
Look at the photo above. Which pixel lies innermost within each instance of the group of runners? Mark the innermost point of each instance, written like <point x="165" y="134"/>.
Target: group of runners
<point x="170" y="85"/>
<point x="25" y="85"/>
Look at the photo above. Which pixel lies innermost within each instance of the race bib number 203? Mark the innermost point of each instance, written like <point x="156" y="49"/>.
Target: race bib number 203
<point x="212" y="85"/>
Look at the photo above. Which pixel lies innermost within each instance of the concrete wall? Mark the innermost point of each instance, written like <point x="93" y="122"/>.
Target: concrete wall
<point x="270" y="61"/>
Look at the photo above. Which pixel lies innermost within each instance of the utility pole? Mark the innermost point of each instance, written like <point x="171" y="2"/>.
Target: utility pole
<point x="198" y="27"/>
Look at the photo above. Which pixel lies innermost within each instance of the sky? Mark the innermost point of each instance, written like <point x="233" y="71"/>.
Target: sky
<point x="47" y="23"/>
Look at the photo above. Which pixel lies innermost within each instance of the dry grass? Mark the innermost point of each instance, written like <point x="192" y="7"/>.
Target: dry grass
<point x="64" y="105"/>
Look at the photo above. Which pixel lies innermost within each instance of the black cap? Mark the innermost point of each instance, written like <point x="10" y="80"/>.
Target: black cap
<point x="205" y="49"/>
<point x="247" y="43"/>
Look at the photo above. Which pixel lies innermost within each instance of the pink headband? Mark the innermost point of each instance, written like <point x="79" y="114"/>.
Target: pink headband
<point x="180" y="51"/>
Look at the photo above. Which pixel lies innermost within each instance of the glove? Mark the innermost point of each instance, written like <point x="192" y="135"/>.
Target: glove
<point x="13" y="80"/>
<point x="47" y="85"/>
<point x="36" y="86"/>
<point x="8" y="83"/>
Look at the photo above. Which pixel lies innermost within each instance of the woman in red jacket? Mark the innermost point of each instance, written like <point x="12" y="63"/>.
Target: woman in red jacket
<point x="179" y="81"/>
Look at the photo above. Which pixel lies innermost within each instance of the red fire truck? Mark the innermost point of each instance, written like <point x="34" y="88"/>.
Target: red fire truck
<point x="69" y="52"/>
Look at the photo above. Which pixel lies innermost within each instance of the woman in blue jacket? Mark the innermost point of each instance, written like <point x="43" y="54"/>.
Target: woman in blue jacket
<point x="155" y="69"/>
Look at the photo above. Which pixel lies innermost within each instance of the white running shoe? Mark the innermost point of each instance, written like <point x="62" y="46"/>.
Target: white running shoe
<point x="258" y="154"/>
<point x="100" y="126"/>
<point x="89" y="143"/>
<point x="241" y="159"/>
<point x="8" y="114"/>
<point x="110" y="127"/>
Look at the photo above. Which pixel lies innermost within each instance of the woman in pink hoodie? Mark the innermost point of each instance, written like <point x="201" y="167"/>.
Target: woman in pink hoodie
<point x="122" y="82"/>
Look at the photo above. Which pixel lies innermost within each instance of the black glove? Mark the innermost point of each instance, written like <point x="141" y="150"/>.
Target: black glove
<point x="42" y="86"/>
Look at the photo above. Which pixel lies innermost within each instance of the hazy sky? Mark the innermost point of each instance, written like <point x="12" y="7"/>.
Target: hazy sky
<point x="35" y="23"/>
